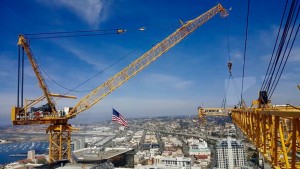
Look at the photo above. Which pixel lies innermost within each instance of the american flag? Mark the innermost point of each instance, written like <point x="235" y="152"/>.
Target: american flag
<point x="116" y="116"/>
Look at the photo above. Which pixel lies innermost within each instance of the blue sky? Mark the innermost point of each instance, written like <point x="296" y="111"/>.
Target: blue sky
<point x="191" y="74"/>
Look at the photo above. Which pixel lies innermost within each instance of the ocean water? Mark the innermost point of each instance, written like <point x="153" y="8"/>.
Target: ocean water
<point x="20" y="148"/>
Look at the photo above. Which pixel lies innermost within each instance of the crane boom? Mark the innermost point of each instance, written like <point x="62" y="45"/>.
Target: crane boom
<point x="155" y="52"/>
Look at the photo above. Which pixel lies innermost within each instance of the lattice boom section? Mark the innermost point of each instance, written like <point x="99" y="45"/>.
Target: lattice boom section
<point x="275" y="133"/>
<point x="143" y="61"/>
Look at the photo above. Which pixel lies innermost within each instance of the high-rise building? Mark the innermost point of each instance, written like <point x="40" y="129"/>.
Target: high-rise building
<point x="230" y="153"/>
<point x="31" y="155"/>
<point x="77" y="143"/>
<point x="81" y="143"/>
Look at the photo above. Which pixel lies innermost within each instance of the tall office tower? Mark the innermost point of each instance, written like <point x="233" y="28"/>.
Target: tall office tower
<point x="230" y="153"/>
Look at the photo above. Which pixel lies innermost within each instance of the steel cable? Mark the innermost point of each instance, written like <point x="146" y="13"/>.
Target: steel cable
<point x="266" y="76"/>
<point x="245" y="50"/>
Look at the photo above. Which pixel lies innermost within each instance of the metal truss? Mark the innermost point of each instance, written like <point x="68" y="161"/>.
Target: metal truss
<point x="274" y="131"/>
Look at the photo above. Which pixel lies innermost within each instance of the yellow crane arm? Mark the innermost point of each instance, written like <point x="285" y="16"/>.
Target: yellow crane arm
<point x="139" y="64"/>
<point x="24" y="43"/>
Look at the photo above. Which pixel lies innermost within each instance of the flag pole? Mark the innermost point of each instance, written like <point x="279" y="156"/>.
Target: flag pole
<point x="113" y="127"/>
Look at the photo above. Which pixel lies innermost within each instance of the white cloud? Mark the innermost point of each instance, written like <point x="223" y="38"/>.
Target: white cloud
<point x="297" y="69"/>
<point x="87" y="57"/>
<point x="290" y="76"/>
<point x="234" y="88"/>
<point x="168" y="80"/>
<point x="7" y="100"/>
<point x="268" y="37"/>
<point x="266" y="58"/>
<point x="91" y="11"/>
<point x="295" y="55"/>
<point x="236" y="54"/>
<point x="183" y="84"/>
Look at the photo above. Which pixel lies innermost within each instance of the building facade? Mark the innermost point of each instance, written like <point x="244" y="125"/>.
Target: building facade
<point x="31" y="155"/>
<point x="173" y="162"/>
<point x="230" y="153"/>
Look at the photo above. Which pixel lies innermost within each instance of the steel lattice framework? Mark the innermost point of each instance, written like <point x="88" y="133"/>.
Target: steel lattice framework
<point x="274" y="131"/>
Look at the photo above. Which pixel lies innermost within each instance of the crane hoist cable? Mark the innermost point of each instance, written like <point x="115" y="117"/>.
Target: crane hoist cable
<point x="276" y="83"/>
<point x="284" y="56"/>
<point x="41" y="80"/>
<point x="272" y="56"/>
<point x="69" y="34"/>
<point x="280" y="47"/>
<point x="229" y="67"/>
<point x="274" y="60"/>
<point x="236" y="89"/>
<point x="278" y="61"/>
<point x="227" y="37"/>
<point x="74" y="35"/>
<point x="63" y="34"/>
<point x="225" y="94"/>
<point x="228" y="49"/>
<point x="90" y="78"/>
<point x="245" y="50"/>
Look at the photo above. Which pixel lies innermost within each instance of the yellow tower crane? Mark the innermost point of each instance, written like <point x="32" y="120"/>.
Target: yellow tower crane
<point x="59" y="129"/>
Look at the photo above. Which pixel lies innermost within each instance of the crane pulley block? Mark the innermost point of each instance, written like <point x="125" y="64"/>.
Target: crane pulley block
<point x="263" y="97"/>
<point x="229" y="66"/>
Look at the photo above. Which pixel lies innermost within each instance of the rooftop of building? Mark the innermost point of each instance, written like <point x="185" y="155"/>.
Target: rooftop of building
<point x="105" y="165"/>
<point x="97" y="154"/>
<point x="229" y="142"/>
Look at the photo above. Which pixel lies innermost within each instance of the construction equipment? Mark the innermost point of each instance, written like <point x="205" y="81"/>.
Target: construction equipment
<point x="273" y="129"/>
<point x="202" y="112"/>
<point x="59" y="129"/>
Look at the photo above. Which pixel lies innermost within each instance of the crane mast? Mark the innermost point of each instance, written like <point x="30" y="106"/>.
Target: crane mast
<point x="59" y="130"/>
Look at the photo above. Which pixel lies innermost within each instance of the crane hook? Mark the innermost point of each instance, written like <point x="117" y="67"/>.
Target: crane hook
<point x="229" y="66"/>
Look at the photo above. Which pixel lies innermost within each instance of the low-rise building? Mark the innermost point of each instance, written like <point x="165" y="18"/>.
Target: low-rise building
<point x="198" y="149"/>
